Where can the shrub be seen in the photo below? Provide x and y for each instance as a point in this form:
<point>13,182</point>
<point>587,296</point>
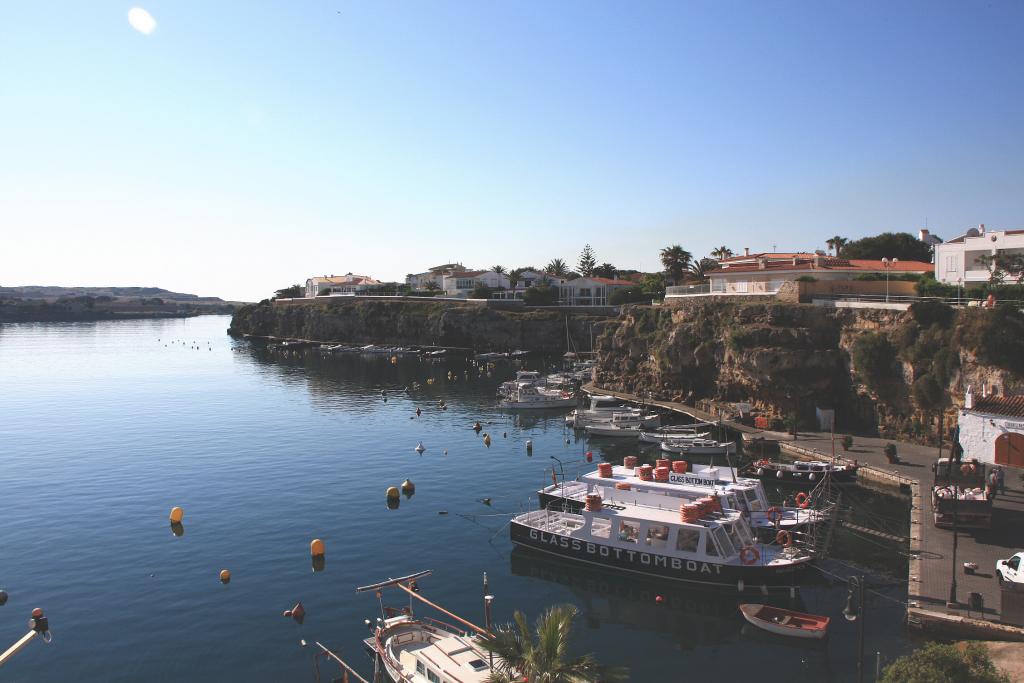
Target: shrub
<point>968,663</point>
<point>540,295</point>
<point>890,451</point>
<point>928,313</point>
<point>929,286</point>
<point>481,292</point>
<point>807,278</point>
<point>873,357</point>
<point>927,393</point>
<point>997,336</point>
<point>847,442</point>
<point>628,295</point>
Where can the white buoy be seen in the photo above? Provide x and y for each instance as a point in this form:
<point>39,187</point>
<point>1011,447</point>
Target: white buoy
<point>420,447</point>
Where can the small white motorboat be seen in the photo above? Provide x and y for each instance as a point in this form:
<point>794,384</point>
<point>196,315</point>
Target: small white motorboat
<point>612,429</point>
<point>786,622</point>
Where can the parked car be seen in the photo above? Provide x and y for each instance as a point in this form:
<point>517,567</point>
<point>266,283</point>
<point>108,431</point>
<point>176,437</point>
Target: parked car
<point>1010,571</point>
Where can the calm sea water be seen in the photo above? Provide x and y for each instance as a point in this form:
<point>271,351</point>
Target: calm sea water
<point>105,426</point>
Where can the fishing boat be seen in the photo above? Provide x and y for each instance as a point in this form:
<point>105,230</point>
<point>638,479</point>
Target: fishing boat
<point>786,622</point>
<point>686,446</point>
<point>532,377</point>
<point>801,471</point>
<point>603,408</point>
<point>613,430</point>
<point>698,542</point>
<point>737,493</point>
<point>672,433</point>
<point>416,649</point>
<point>527,396</point>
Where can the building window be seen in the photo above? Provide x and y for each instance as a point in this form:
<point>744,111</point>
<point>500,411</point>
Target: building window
<point>951,264</point>
<point>433,677</point>
<point>420,669</point>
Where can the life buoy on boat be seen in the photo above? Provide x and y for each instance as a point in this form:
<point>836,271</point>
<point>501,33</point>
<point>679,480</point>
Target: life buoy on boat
<point>784,538</point>
<point>802,498</point>
<point>749,555</point>
<point>774,514</point>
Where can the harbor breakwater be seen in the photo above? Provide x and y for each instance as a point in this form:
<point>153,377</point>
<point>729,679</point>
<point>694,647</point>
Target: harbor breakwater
<point>422,323</point>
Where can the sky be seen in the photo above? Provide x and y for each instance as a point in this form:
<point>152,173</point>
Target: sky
<point>231,148</point>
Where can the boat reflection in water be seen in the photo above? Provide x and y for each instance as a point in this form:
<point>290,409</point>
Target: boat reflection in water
<point>693,615</point>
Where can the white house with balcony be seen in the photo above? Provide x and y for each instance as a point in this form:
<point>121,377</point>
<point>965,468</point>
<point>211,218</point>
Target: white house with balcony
<point>339,285</point>
<point>433,275</point>
<point>765,273</point>
<point>959,261</point>
<point>589,291</point>
<point>462,283</point>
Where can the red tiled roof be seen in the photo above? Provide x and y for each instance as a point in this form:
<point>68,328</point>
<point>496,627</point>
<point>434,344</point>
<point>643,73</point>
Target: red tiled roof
<point>767,254</point>
<point>610,281</point>
<point>829,263</point>
<point>1012,406</point>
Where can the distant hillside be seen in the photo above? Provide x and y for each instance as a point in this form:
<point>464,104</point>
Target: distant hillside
<point>69,304</point>
<point>45,292</point>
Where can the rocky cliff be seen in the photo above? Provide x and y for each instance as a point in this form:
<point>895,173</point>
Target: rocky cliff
<point>890,372</point>
<point>425,323</point>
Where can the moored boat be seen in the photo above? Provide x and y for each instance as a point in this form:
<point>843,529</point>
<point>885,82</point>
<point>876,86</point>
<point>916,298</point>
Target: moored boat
<point>695,542</point>
<point>801,471</point>
<point>527,396</point>
<point>786,622</point>
<point>697,447</point>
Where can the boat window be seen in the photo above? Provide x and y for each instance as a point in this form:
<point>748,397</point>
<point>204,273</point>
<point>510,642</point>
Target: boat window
<point>687,540</point>
<point>657,535</point>
<point>753,501</point>
<point>629,531</point>
<point>433,677</point>
<point>601,527</point>
<point>1014,563</point>
<point>734,535</point>
<point>478,664</point>
<point>724,544</point>
<point>420,669</point>
<point>746,536</point>
<point>709,545</point>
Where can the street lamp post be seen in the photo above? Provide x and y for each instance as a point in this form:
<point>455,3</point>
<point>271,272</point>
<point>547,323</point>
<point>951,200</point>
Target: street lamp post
<point>887,264</point>
<point>854,611</point>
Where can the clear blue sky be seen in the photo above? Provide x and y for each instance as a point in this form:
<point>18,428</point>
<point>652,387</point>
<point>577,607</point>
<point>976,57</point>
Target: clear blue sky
<point>243,146</point>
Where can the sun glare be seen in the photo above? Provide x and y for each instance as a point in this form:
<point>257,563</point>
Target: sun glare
<point>141,20</point>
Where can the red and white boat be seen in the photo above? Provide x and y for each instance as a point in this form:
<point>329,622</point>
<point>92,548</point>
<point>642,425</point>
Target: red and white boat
<point>786,622</point>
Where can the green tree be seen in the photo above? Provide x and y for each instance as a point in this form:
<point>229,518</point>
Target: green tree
<point>720,253</point>
<point>293,292</point>
<point>605,270</point>
<point>938,663</point>
<point>556,266</point>
<point>1004,266</point>
<point>653,283</point>
<point>500,270</point>
<point>676,261</point>
<point>514,276</point>
<point>874,359</point>
<point>628,295</point>
<point>543,655</point>
<point>432,286</point>
<point>587,261</point>
<point>901,245</point>
<point>540,295</point>
<point>698,270</point>
<point>481,292</point>
<point>836,244</point>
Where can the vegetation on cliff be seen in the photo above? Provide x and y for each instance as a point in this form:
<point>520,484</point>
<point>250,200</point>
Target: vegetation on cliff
<point>892,372</point>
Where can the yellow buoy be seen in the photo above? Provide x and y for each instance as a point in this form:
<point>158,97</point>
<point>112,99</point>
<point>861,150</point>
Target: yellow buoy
<point>408,486</point>
<point>225,576</point>
<point>316,548</point>
<point>176,515</point>
<point>393,492</point>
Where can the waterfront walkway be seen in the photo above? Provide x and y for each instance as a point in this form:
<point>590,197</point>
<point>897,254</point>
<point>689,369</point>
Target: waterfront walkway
<point>931,548</point>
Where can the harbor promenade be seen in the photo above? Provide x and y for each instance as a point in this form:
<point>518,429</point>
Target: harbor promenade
<point>931,566</point>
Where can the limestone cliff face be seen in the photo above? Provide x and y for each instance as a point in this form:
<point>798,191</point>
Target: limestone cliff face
<point>418,323</point>
<point>787,359</point>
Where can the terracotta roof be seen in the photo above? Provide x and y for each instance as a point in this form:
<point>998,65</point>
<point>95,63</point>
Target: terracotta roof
<point>827,263</point>
<point>1012,406</point>
<point>347,280</point>
<point>610,281</point>
<point>767,254</point>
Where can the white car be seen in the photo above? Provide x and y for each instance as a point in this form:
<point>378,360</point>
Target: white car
<point>1010,571</point>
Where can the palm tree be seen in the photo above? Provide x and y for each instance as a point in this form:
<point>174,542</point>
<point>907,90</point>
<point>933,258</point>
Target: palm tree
<point>699,270</point>
<point>500,270</point>
<point>837,243</point>
<point>513,278</point>
<point>676,260</point>
<point>518,656</point>
<point>721,252</point>
<point>557,267</point>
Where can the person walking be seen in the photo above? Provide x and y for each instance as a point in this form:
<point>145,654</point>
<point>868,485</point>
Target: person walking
<point>993,483</point>
<point>1000,479</point>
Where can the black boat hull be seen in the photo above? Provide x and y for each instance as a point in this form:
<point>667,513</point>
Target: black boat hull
<point>651,564</point>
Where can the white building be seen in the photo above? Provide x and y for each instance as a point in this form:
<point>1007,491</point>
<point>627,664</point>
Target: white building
<point>339,285</point>
<point>958,261</point>
<point>589,291</point>
<point>462,283</point>
<point>435,275</point>
<point>992,429</point>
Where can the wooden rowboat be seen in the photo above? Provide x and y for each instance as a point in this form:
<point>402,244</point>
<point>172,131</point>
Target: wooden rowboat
<point>786,622</point>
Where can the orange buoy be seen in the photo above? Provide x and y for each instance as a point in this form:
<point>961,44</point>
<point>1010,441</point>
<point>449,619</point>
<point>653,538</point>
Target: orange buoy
<point>177,514</point>
<point>225,576</point>
<point>316,548</point>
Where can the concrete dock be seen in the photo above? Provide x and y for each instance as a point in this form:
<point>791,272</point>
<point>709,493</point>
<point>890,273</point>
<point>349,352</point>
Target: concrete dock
<point>931,566</point>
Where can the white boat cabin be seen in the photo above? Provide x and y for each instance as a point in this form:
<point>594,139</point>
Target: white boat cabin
<point>743,494</point>
<point>422,653</point>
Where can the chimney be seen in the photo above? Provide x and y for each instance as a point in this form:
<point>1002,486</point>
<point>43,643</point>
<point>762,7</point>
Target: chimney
<point>923,234</point>
<point>968,399</point>
<point>746,251</point>
<point>981,228</point>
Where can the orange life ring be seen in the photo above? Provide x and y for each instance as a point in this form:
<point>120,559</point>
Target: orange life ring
<point>784,538</point>
<point>774,514</point>
<point>802,498</point>
<point>749,555</point>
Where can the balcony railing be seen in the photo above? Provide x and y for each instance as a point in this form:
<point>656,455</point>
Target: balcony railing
<point>687,290</point>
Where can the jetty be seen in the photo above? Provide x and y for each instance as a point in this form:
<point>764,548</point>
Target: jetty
<point>982,610</point>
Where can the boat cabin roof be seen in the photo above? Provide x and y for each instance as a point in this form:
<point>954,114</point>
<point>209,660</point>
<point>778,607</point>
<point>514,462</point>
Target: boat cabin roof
<point>702,475</point>
<point>450,657</point>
